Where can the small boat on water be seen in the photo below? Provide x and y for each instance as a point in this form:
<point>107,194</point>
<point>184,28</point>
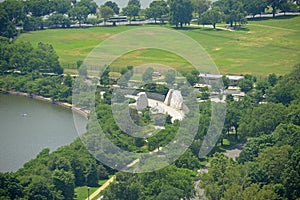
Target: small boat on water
<point>24,115</point>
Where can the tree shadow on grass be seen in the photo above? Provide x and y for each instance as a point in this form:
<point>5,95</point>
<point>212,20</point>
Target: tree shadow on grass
<point>271,18</point>
<point>134,24</point>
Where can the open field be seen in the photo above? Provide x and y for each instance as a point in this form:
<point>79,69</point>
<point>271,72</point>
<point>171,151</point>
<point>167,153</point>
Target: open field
<point>262,47</point>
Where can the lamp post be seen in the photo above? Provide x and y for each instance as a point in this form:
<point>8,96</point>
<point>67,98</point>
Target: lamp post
<point>88,193</point>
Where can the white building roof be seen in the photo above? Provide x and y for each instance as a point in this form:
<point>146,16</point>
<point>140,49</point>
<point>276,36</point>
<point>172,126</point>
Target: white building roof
<point>217,76</point>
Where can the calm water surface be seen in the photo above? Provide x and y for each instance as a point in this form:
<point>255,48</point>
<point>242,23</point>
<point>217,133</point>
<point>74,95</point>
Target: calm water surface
<point>45,126</point>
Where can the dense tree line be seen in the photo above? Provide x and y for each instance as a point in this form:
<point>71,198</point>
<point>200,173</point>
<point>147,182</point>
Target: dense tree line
<point>25,58</point>
<point>268,166</point>
<point>169,183</point>
<point>36,14</point>
<point>54,175</point>
<point>57,88</point>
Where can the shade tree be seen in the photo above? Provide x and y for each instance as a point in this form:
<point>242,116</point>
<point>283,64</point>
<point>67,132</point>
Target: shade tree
<point>114,6</point>
<point>105,12</point>
<point>170,76</point>
<point>212,17</point>
<point>39,8</point>
<point>157,9</point>
<point>200,6</point>
<point>7,28</point>
<point>180,12</point>
<point>233,10</point>
<point>131,11</point>
<point>275,4</point>
<point>61,6</point>
<point>254,7</point>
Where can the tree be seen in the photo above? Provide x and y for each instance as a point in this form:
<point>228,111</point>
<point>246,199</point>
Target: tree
<point>254,191</point>
<point>262,85</point>
<point>48,58</point>
<point>214,181</point>
<point>32,23</point>
<point>82,9</point>
<point>157,9</point>
<point>200,6</point>
<point>212,17</point>
<point>254,147</point>
<point>131,11</point>
<point>106,12</point>
<point>170,193</point>
<point>10,186</point>
<point>287,89</point>
<point>271,159</point>
<point>180,12</point>
<point>254,7</point>
<point>59,20</point>
<point>39,190</point>
<point>170,76</point>
<point>246,85</point>
<point>291,176</point>
<point>79,13</point>
<point>262,119</point>
<point>64,181</point>
<point>39,8</point>
<point>272,79</point>
<point>104,79</point>
<point>136,3</point>
<point>233,10</point>
<point>7,28</point>
<point>275,4</point>
<point>20,55</point>
<point>89,4</point>
<point>147,75</point>
<point>113,5</point>
<point>226,81</point>
<point>233,116</point>
<point>61,6</point>
<point>15,9</point>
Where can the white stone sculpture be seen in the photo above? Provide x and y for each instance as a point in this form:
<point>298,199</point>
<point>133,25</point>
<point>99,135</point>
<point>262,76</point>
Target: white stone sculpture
<point>142,101</point>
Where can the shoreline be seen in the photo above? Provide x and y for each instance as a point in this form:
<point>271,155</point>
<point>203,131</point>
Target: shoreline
<point>80,111</point>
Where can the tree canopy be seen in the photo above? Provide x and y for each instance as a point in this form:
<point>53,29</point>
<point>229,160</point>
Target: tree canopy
<point>180,12</point>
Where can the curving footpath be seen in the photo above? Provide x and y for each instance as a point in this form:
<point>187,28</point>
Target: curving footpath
<point>103,187</point>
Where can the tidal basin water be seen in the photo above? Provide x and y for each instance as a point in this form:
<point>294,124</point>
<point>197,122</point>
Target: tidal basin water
<point>27,126</point>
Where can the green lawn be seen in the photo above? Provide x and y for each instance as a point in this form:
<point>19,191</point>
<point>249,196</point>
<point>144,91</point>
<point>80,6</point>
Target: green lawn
<point>82,192</point>
<point>261,47</point>
<point>72,44</point>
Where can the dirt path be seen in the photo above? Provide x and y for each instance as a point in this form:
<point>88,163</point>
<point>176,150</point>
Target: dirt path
<point>100,189</point>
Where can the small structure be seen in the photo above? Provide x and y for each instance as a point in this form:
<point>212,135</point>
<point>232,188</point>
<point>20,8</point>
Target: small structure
<point>209,78</point>
<point>174,99</point>
<point>142,101</point>
<point>156,74</point>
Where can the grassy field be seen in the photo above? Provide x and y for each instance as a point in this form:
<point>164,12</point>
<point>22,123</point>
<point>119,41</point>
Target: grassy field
<point>262,47</point>
<point>82,192</point>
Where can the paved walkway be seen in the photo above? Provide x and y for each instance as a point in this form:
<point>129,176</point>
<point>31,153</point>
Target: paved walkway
<point>175,114</point>
<point>234,151</point>
<point>100,189</point>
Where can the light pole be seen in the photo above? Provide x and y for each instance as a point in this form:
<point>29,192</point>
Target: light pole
<point>88,193</point>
